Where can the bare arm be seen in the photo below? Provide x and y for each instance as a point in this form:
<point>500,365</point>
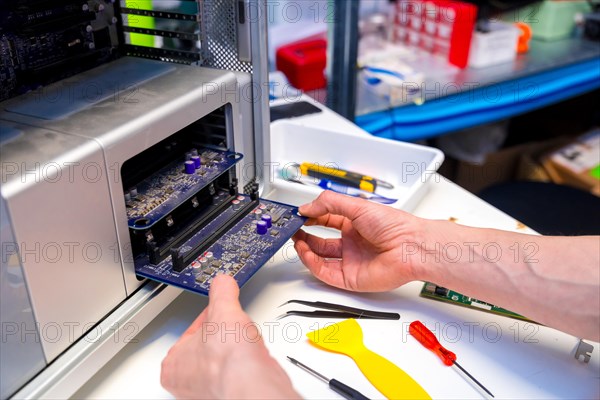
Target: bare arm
<point>552,280</point>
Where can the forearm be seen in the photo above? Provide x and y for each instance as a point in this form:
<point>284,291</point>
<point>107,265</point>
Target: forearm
<point>552,280</point>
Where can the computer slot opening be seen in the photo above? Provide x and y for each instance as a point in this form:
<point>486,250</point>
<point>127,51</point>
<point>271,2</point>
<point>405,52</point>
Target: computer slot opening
<point>177,186</point>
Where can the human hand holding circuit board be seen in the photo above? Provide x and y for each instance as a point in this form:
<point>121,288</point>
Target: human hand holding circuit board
<point>201,365</point>
<point>381,249</point>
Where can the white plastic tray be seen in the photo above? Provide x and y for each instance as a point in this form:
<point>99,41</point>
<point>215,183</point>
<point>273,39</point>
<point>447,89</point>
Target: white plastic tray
<point>406,166</point>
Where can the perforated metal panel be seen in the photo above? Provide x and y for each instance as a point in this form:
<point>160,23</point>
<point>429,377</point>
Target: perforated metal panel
<point>216,30</point>
<point>220,31</point>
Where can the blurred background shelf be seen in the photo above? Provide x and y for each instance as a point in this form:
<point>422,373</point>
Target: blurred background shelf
<point>454,99</point>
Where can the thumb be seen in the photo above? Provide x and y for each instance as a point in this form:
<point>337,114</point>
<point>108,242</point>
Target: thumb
<point>330,202</point>
<point>223,295</point>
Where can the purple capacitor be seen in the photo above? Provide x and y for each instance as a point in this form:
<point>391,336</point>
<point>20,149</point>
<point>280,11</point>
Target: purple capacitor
<point>267,219</point>
<point>261,228</point>
<point>197,161</point>
<point>190,167</point>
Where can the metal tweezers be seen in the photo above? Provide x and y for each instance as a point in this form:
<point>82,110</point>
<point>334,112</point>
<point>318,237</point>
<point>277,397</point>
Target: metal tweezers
<point>339,311</point>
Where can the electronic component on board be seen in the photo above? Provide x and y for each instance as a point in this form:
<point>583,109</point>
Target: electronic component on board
<point>262,228</point>
<point>435,292</point>
<point>267,219</point>
<point>190,167</point>
<point>197,161</point>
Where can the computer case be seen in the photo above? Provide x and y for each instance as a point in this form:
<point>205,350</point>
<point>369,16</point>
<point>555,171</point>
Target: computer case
<point>70,295</point>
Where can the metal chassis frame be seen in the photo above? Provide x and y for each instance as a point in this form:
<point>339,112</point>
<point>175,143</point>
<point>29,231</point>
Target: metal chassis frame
<point>72,369</point>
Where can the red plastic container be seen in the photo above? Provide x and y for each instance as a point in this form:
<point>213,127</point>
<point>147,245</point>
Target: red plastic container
<point>303,63</point>
<point>441,27</point>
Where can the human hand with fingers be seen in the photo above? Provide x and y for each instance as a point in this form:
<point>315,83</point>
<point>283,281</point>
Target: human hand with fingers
<point>367,257</point>
<point>222,355</point>
<point>382,248</point>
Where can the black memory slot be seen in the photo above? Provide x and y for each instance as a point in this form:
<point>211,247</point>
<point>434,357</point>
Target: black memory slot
<point>19,14</point>
<point>59,23</point>
<point>158,32</point>
<point>181,261</point>
<point>160,249</point>
<point>36,4</point>
<point>160,14</point>
<point>178,56</point>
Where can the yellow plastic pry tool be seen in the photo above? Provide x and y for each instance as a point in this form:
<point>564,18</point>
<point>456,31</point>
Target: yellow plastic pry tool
<point>346,338</point>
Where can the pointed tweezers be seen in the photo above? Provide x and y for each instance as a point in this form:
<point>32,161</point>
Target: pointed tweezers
<point>338,311</point>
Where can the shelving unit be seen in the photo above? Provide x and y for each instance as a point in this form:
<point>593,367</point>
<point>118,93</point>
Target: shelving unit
<point>455,99</point>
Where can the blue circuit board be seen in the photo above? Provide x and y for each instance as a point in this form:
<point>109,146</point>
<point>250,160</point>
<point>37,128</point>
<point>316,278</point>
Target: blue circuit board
<point>239,252</point>
<point>158,195</point>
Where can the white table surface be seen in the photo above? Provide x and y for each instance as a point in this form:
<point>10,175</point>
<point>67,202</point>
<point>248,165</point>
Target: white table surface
<point>527,361</point>
<point>514,359</point>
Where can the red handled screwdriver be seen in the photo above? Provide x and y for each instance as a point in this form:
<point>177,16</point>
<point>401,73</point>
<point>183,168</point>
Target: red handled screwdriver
<point>427,339</point>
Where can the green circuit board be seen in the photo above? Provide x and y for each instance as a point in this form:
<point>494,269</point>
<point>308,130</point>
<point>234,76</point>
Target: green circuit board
<point>432,291</point>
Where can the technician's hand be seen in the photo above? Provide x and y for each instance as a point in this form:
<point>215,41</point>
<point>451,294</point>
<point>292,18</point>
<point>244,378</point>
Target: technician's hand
<point>371,256</point>
<point>222,356</point>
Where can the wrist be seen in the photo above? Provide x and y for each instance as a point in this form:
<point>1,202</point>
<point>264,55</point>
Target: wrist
<point>260,378</point>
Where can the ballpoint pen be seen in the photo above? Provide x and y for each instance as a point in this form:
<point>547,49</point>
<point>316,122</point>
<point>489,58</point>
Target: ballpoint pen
<point>338,188</point>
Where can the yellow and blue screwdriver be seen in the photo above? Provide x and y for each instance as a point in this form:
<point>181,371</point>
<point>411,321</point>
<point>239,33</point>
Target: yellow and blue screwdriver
<point>428,340</point>
<point>348,178</point>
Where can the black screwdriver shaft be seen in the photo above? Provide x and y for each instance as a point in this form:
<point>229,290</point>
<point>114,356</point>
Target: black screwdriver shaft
<point>473,379</point>
<point>342,389</point>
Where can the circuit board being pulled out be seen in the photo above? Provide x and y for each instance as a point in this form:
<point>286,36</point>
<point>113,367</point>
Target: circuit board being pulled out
<point>239,251</point>
<point>159,194</point>
<point>432,291</point>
